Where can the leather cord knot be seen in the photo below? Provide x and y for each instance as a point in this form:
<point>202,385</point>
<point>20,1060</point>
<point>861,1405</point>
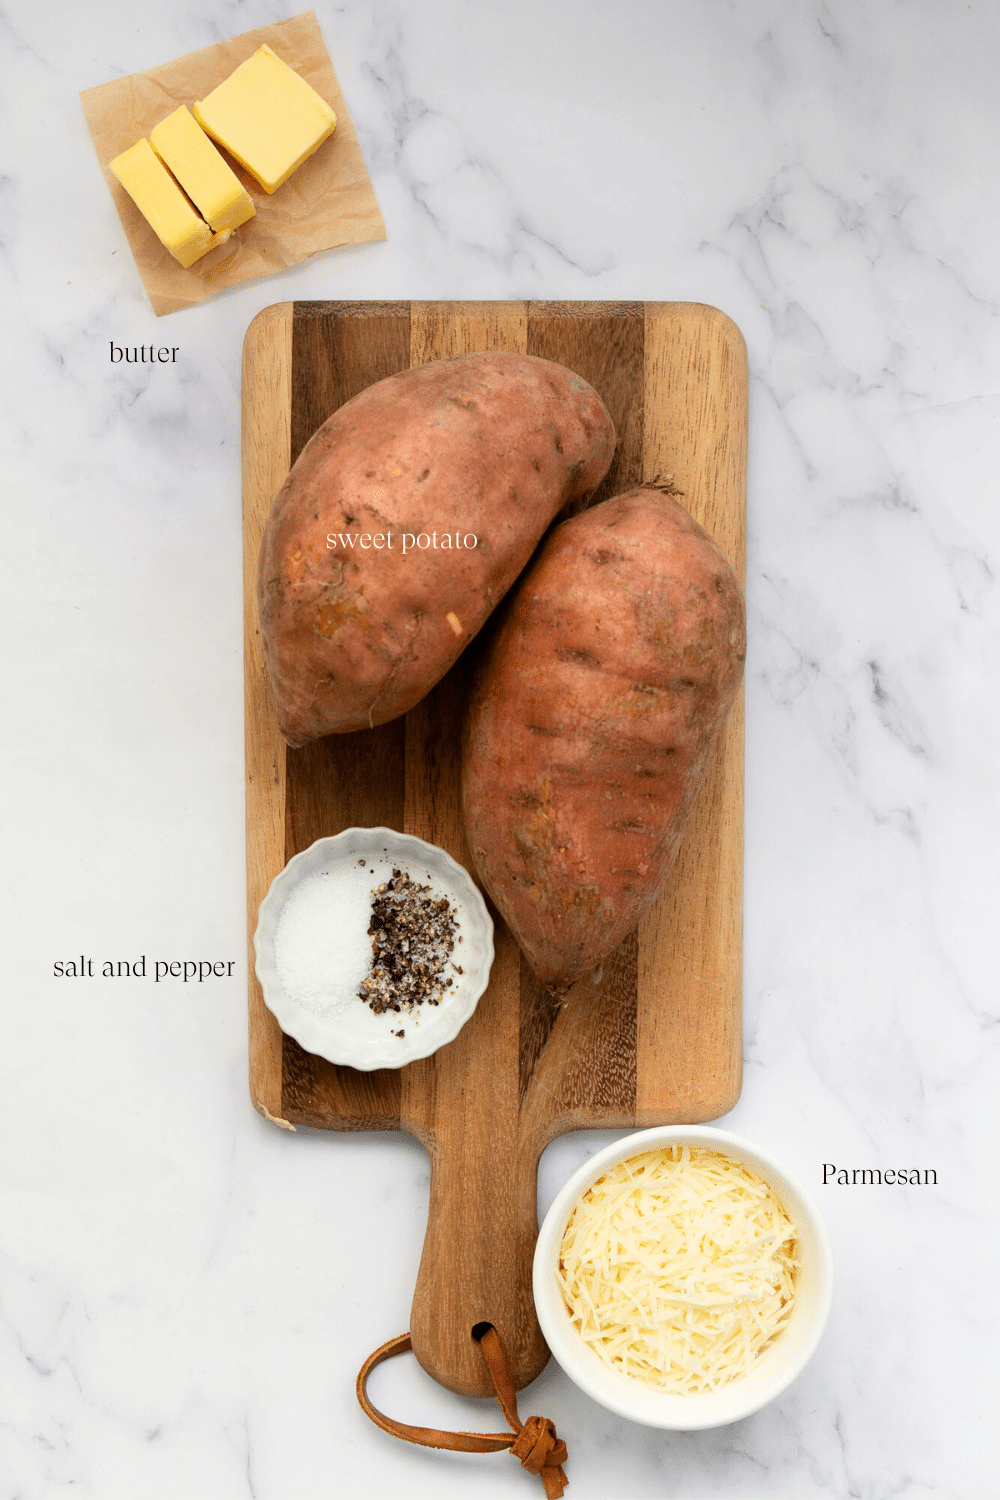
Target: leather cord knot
<point>534,1442</point>
<point>543,1452</point>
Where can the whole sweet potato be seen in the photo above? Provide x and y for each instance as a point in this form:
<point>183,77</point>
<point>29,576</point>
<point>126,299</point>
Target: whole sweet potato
<point>592,719</point>
<point>404,522</point>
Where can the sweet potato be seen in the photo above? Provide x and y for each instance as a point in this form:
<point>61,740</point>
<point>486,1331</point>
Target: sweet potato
<point>592,718</point>
<point>446,477</point>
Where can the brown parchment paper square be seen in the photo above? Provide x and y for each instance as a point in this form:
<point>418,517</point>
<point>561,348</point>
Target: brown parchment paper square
<point>329,201</point>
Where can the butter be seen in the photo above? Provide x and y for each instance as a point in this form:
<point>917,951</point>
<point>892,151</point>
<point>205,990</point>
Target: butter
<point>210,183</point>
<point>158,198</point>
<point>267,117</point>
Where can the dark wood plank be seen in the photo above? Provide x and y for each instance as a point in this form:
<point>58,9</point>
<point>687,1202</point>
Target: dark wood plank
<point>603,342</point>
<point>314,1092</point>
<point>595,1083</point>
<point>339,348</point>
<point>345,781</point>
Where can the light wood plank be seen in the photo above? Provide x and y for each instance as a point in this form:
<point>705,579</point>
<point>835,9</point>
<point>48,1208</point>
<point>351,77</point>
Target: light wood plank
<point>267,387</point>
<point>691,944</point>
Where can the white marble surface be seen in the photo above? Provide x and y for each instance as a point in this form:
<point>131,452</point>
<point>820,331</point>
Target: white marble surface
<point>186,1292</point>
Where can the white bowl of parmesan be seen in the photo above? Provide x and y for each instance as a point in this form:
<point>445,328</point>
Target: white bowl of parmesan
<point>373,948</point>
<point>682,1278</point>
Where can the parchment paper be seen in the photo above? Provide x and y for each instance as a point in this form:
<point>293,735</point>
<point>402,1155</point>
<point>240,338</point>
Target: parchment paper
<point>329,201</point>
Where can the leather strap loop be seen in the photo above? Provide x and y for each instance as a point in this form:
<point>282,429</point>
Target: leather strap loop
<point>534,1442</point>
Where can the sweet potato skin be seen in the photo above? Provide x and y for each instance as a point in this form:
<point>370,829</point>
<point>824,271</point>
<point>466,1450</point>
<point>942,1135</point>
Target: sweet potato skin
<point>592,719</point>
<point>491,446</point>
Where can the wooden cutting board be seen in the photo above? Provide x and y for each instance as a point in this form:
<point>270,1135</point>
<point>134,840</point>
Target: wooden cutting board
<point>658,1039</point>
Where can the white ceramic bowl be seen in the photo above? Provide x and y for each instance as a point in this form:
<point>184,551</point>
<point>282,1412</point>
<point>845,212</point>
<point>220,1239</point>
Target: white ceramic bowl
<point>354,1034</point>
<point>777,1366</point>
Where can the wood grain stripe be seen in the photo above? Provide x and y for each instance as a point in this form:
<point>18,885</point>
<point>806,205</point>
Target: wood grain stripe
<point>603,342</point>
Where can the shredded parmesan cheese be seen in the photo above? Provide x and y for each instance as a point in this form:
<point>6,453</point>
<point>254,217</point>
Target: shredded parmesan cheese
<point>678,1268</point>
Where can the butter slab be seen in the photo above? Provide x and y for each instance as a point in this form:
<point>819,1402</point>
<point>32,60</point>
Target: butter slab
<point>161,202</point>
<point>267,117</point>
<point>209,181</point>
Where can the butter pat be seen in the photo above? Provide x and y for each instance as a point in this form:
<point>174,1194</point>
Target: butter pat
<point>158,198</point>
<point>267,117</point>
<point>210,183</point>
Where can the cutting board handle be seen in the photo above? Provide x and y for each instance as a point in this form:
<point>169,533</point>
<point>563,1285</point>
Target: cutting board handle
<point>477,1261</point>
<point>482,1220</point>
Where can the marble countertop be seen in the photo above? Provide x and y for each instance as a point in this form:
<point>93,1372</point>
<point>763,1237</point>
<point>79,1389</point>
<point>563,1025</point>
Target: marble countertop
<point>186,1292</point>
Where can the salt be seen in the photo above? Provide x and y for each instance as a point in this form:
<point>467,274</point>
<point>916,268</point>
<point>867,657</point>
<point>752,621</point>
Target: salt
<point>322,950</point>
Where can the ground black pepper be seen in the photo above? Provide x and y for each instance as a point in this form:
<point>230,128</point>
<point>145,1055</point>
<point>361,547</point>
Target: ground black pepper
<point>413,936</point>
